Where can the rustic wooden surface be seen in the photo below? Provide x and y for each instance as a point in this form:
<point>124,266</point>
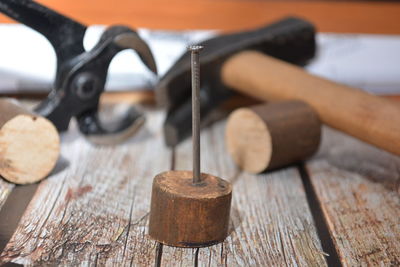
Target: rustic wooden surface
<point>5,190</point>
<point>358,187</point>
<point>271,223</point>
<point>329,16</point>
<point>94,209</point>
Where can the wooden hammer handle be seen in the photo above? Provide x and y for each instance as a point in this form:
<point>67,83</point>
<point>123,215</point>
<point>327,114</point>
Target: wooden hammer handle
<point>370,118</point>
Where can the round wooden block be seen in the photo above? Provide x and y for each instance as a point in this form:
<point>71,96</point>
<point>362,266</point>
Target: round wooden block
<point>29,145</point>
<point>186,215</point>
<point>272,135</point>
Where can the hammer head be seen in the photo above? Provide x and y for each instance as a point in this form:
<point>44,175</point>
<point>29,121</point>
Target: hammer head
<point>291,39</point>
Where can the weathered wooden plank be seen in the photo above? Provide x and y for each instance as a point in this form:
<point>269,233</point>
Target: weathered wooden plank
<point>95,211</point>
<point>5,190</point>
<point>358,187</point>
<point>12,210</point>
<point>270,218</point>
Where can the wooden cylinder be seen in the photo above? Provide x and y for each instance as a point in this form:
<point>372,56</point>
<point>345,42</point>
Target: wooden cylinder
<point>184,214</point>
<point>273,135</point>
<point>370,118</point>
<point>29,144</point>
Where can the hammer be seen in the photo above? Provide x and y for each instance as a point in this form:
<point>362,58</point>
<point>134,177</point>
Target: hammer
<point>290,39</point>
<point>367,117</point>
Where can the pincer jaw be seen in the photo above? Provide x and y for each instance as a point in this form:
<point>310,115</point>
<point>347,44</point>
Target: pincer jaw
<point>132,40</point>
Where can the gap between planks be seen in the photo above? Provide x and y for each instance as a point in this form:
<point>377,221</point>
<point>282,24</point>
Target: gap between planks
<point>96,210</point>
<point>319,220</point>
<point>271,223</point>
<point>12,210</point>
<point>358,189</point>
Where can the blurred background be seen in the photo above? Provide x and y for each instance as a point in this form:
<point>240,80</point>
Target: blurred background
<point>329,16</point>
<point>359,44</point>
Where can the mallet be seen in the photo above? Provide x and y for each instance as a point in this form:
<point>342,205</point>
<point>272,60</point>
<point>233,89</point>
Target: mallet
<point>190,208</point>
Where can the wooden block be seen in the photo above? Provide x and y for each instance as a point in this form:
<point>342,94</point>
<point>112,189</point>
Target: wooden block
<point>29,144</point>
<point>184,214</point>
<point>269,136</point>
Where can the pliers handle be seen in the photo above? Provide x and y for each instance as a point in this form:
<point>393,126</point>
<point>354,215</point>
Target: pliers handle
<point>81,75</point>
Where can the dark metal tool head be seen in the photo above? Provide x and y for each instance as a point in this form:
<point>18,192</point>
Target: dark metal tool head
<point>81,75</point>
<point>290,39</point>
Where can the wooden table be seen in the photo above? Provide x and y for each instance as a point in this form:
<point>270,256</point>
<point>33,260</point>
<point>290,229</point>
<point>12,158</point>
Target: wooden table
<point>93,210</point>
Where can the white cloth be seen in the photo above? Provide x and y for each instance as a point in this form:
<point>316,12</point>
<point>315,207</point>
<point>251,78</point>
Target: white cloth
<point>27,60</point>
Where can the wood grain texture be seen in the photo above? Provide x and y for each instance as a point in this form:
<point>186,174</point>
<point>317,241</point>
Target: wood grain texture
<point>6,187</point>
<point>187,214</point>
<point>29,144</point>
<point>271,224</point>
<point>329,16</point>
<point>5,190</point>
<point>96,210</point>
<point>373,119</point>
<point>358,187</point>
<point>272,135</point>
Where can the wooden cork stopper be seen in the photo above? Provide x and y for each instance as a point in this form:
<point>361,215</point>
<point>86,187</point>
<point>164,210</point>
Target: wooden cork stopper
<point>184,214</point>
<point>270,136</point>
<point>29,144</point>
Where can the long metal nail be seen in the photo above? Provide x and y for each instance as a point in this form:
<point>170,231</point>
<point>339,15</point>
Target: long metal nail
<point>195,49</point>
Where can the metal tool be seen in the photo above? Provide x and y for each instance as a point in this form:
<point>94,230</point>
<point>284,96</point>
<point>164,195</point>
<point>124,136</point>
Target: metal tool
<point>290,39</point>
<point>195,50</point>
<point>80,75</point>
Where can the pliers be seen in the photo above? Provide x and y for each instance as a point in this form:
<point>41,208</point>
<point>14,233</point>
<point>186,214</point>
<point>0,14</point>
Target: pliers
<point>80,75</point>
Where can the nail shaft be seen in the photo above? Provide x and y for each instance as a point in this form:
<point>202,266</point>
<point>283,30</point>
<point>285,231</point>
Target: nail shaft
<point>195,50</point>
